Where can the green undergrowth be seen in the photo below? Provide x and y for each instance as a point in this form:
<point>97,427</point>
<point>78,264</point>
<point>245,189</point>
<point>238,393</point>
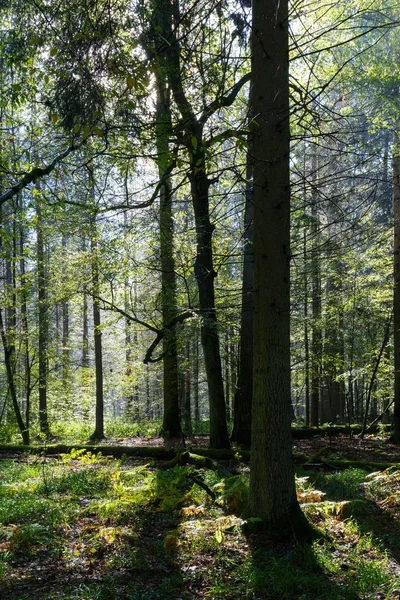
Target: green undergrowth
<point>74,432</point>
<point>99,528</point>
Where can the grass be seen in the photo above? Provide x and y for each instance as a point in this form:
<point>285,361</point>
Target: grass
<point>75,432</point>
<point>97,528</point>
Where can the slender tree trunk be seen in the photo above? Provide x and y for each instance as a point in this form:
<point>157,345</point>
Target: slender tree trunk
<point>43,315</point>
<point>227,375</point>
<point>187,392</point>
<point>9,359</point>
<point>85,332</point>
<point>128,336</point>
<point>204,268</point>
<point>65,336</point>
<point>272,485</point>
<point>98,433</point>
<point>233,353</point>
<point>11,383</point>
<point>316,306</point>
<point>242,404</point>
<point>306,337</point>
<point>396,278</point>
<point>24,324</point>
<point>195,386</point>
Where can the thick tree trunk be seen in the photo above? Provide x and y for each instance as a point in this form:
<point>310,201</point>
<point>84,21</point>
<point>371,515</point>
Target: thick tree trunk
<point>158,32</point>
<point>272,485</point>
<point>171,422</point>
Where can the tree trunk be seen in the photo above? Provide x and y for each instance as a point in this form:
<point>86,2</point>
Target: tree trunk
<point>9,360</point>
<point>98,433</point>
<point>187,393</point>
<point>66,374</point>
<point>128,324</point>
<point>199,186</point>
<point>241,432</point>
<point>316,307</point>
<point>24,326</point>
<point>306,337</point>
<point>195,367</point>
<point>11,383</point>
<point>171,426</point>
<point>43,313</point>
<point>272,484</point>
<point>396,280</point>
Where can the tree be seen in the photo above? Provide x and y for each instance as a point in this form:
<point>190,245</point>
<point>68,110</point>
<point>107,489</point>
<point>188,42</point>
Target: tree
<point>192,126</point>
<point>241,432</point>
<point>272,485</point>
<point>171,426</point>
<point>98,433</point>
<point>396,276</point>
<point>43,319</point>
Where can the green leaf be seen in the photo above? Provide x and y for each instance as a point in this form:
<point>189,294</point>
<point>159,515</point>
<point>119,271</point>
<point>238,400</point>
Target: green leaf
<point>130,82</point>
<point>97,131</point>
<point>194,142</point>
<point>219,536</point>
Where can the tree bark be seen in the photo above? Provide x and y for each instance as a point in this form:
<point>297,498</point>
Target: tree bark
<point>171,426</point>
<point>316,333</point>
<point>24,324</point>
<point>65,337</point>
<point>242,404</point>
<point>98,433</point>
<point>199,186</point>
<point>272,485</point>
<point>43,313</point>
<point>396,280</point>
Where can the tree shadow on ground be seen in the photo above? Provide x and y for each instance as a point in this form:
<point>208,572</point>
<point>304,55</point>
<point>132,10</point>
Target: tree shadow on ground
<point>291,572</point>
<point>384,527</point>
<point>122,557</point>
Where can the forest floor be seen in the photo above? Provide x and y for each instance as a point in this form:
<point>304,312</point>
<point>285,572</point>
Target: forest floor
<point>82,526</point>
<point>371,448</point>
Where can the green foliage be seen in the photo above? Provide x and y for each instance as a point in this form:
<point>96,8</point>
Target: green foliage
<point>233,492</point>
<point>340,485</point>
<point>167,531</point>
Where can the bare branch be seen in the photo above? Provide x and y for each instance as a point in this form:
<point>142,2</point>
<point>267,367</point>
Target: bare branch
<point>224,101</point>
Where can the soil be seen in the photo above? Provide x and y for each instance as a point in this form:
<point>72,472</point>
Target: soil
<point>372,448</point>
